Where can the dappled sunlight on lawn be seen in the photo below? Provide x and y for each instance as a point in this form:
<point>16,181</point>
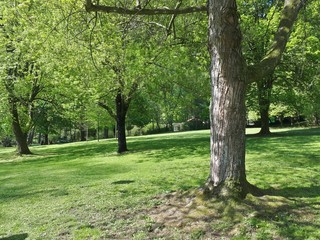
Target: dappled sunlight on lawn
<point>78,189</point>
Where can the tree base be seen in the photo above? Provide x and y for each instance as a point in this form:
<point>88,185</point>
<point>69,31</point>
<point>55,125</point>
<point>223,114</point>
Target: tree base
<point>264,133</point>
<point>231,190</point>
<point>24,153</point>
<point>122,151</point>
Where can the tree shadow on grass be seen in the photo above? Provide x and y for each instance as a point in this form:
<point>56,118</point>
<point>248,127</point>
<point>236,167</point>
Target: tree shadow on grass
<point>22,192</point>
<point>293,219</point>
<point>21,236</point>
<point>168,149</point>
<point>123,182</point>
<point>72,151</point>
<point>62,154</point>
<point>292,210</point>
<point>301,132</point>
<point>292,132</point>
<point>56,180</point>
<point>298,192</point>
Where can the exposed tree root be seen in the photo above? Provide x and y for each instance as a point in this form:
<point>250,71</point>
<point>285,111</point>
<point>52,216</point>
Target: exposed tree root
<point>231,190</point>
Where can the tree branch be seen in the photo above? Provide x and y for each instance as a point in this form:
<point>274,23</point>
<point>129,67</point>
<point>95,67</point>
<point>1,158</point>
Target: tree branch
<point>268,64</point>
<point>173,18</point>
<point>109,110</point>
<point>90,7</point>
<point>133,90</point>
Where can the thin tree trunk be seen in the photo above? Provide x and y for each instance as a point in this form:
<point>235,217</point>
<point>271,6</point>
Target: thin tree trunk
<point>122,104</point>
<point>31,135</point>
<point>98,131</point>
<point>121,111</point>
<point>83,134</point>
<point>122,142</point>
<point>281,117</point>
<point>264,117</point>
<point>21,137</point>
<point>264,95</point>
<point>316,120</point>
<point>105,132</point>
<point>40,138</point>
<point>46,139</point>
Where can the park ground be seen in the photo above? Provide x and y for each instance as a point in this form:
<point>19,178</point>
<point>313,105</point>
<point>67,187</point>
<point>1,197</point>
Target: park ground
<point>88,191</point>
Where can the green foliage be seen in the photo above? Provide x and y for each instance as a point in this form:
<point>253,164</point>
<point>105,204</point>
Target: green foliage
<point>84,58</point>
<point>295,87</point>
<point>259,20</point>
<point>140,112</point>
<point>299,72</point>
<point>5,126</point>
<point>26,79</point>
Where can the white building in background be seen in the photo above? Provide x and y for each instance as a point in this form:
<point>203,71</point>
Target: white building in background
<point>177,127</point>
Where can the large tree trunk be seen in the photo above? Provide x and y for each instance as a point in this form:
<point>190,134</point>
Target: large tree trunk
<point>228,117</point>
<point>264,95</point>
<point>121,112</point>
<point>21,137</point>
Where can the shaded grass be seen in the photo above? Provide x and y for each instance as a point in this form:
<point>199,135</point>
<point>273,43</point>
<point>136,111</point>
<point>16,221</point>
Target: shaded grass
<point>88,191</point>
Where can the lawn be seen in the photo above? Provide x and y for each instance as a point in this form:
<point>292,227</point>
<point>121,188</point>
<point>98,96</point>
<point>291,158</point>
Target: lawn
<point>87,191</point>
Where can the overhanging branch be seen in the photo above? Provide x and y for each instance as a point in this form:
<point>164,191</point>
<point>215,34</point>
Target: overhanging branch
<point>270,61</point>
<point>90,7</point>
<point>173,18</point>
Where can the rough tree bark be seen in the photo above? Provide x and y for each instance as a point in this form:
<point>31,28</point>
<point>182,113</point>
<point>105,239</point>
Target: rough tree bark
<point>228,117</point>
<point>229,76</point>
<point>267,65</point>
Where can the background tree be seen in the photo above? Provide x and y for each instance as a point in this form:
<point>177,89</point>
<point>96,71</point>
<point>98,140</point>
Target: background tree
<point>124,65</point>
<point>264,16</point>
<point>21,73</point>
<point>290,78</point>
<point>130,54</point>
<point>299,68</point>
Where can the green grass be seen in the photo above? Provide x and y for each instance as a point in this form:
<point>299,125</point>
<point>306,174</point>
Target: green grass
<point>87,191</point>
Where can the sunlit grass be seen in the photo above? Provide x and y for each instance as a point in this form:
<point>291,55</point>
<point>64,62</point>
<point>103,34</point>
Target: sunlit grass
<point>87,191</point>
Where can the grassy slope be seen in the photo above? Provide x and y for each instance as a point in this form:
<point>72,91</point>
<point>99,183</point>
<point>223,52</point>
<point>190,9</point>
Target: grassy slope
<point>86,190</point>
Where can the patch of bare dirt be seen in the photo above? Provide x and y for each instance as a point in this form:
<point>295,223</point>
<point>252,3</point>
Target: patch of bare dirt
<point>195,217</point>
<point>189,212</point>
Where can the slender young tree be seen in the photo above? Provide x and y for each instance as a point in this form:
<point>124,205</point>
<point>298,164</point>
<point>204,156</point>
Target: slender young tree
<point>21,104</point>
